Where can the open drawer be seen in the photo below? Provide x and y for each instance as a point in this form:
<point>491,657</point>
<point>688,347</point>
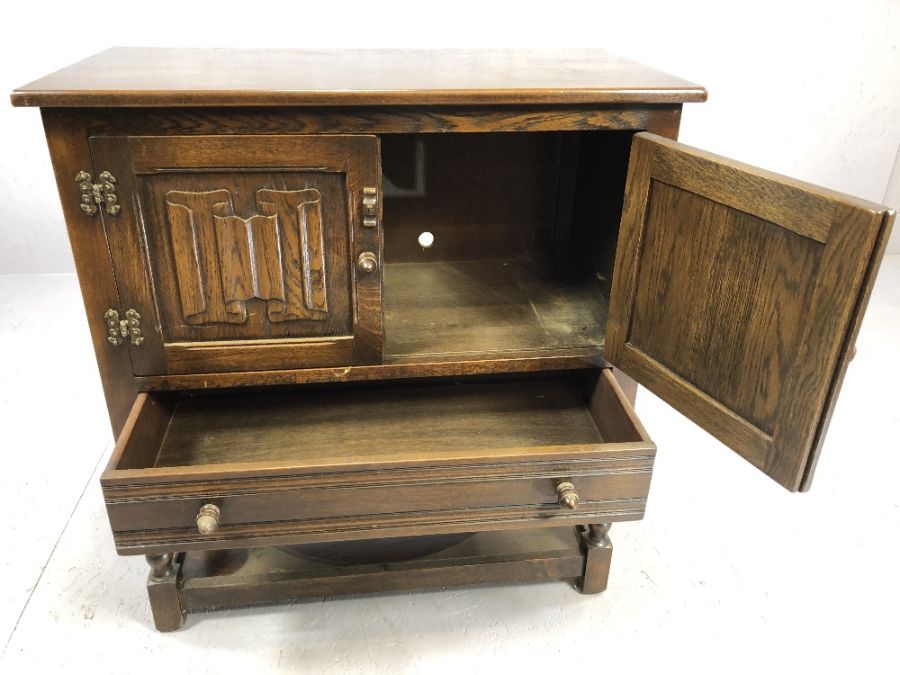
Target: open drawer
<point>204,471</point>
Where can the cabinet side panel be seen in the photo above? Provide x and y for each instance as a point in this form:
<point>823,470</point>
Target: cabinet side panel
<point>70,154</point>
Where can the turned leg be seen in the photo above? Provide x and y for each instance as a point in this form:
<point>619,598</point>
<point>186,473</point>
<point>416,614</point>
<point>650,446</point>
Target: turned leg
<point>597,550</point>
<point>163,589</point>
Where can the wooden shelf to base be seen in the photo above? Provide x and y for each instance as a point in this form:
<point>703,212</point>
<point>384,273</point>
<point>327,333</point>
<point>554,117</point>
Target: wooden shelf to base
<point>484,306</point>
<point>208,580</point>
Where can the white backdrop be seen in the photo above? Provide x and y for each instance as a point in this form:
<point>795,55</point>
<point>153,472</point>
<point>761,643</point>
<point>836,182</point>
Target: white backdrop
<point>809,89</point>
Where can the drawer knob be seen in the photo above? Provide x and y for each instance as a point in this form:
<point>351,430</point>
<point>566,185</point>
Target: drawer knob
<point>208,519</point>
<point>565,493</point>
<point>367,262</point>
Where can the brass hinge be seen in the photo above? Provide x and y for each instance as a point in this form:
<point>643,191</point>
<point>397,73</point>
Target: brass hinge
<point>94,194</point>
<point>369,207</point>
<point>119,330</point>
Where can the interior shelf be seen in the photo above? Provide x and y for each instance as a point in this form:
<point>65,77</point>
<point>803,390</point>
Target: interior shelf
<point>487,306</point>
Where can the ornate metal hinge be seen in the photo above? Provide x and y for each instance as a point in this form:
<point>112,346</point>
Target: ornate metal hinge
<point>98,194</point>
<point>120,329</point>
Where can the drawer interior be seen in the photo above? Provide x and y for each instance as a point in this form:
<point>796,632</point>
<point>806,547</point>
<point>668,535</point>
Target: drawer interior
<point>366,423</point>
<point>385,422</point>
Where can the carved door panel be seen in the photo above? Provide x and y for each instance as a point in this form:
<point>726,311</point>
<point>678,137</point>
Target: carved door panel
<point>239,252</point>
<point>737,296</point>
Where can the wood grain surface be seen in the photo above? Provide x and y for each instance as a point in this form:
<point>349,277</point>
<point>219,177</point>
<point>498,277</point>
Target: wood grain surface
<point>735,295</point>
<point>70,153</point>
<point>393,368</point>
<point>662,119</point>
<point>487,226</point>
<point>487,306</point>
<point>241,578</point>
<point>338,463</point>
<point>485,195</point>
<point>206,305</point>
<point>143,76</point>
<point>369,422</point>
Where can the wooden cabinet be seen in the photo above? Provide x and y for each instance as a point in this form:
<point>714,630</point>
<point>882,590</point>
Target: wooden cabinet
<point>358,307</point>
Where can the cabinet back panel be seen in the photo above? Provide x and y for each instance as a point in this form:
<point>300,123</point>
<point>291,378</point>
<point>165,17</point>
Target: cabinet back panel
<point>525,228</point>
<point>551,197</point>
<point>486,195</point>
<point>599,188</point>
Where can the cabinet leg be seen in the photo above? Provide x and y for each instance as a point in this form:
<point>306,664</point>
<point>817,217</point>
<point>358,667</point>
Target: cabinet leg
<point>163,588</point>
<point>597,550</point>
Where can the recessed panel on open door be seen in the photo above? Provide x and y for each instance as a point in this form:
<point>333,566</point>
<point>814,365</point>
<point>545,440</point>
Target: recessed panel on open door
<point>737,296</point>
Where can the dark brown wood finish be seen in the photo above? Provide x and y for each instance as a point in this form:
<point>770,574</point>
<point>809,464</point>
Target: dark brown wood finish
<point>484,196</point>
<point>372,462</point>
<point>483,402</point>
<point>251,243</point>
<point>735,296</point>
<point>662,119</point>
<point>628,385</point>
<point>163,589</point>
<point>354,422</point>
<point>479,307</point>
<point>245,577</point>
<point>70,154</point>
<point>393,368</point>
<point>597,557</point>
<point>148,77</point>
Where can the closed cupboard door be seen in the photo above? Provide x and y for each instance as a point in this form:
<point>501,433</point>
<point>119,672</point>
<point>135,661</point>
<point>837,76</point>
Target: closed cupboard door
<point>737,297</point>
<point>247,252</point>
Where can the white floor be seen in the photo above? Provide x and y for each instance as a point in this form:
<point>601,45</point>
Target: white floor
<point>728,572</point>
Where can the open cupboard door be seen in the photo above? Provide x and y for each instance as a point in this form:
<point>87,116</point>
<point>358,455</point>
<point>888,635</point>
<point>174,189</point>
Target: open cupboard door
<point>737,297</point>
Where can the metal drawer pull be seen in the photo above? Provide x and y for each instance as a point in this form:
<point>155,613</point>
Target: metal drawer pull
<point>208,519</point>
<point>565,493</point>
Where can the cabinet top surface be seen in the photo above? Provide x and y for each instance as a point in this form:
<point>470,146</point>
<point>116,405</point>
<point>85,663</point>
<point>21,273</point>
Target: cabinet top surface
<point>138,77</point>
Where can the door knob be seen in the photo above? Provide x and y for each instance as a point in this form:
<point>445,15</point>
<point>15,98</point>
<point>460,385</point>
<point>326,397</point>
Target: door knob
<point>367,262</point>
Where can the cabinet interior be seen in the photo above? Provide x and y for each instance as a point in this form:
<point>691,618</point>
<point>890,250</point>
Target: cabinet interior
<point>524,229</point>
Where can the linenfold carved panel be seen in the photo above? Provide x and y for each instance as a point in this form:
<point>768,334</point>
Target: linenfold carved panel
<point>223,260</point>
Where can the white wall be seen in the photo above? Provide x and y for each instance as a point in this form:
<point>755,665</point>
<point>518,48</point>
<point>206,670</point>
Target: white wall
<point>810,89</point>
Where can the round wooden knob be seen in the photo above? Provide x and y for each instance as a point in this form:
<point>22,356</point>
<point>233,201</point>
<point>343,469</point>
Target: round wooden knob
<point>367,262</point>
<point>565,493</point>
<point>208,519</point>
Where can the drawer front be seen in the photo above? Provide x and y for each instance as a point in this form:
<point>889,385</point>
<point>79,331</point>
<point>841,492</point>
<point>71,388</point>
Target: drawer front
<point>300,509</point>
<point>241,253</point>
<point>441,458</point>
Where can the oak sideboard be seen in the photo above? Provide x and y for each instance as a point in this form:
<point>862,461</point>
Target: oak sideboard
<point>373,320</point>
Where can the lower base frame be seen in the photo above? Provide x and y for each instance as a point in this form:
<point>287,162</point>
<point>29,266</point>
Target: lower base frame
<point>201,581</point>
